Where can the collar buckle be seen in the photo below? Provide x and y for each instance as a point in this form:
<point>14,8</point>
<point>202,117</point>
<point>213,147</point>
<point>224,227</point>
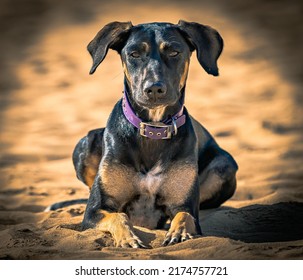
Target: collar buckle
<point>155,130</point>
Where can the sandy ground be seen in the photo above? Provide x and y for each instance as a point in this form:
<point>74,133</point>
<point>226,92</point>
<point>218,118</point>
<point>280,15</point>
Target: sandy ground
<point>254,109</point>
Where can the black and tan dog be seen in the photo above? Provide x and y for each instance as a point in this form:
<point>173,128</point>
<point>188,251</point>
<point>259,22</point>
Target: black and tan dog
<point>153,162</point>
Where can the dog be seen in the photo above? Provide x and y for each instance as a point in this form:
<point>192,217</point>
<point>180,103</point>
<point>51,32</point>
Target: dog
<point>153,162</point>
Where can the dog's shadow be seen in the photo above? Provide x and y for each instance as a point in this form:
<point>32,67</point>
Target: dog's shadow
<point>255,223</point>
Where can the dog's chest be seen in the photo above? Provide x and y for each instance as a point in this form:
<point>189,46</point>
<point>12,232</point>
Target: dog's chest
<point>144,210</point>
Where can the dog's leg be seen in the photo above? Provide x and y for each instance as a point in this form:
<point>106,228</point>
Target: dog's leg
<point>217,181</point>
<point>87,156</point>
<point>117,224</point>
<point>182,198</point>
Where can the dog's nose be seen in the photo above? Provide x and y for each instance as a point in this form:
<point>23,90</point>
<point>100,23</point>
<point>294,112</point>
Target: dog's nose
<point>155,90</point>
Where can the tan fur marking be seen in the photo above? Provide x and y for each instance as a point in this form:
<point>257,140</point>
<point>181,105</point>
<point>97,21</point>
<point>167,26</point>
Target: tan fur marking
<point>180,178</point>
<point>114,179</point>
<point>184,75</point>
<point>156,115</point>
<point>89,176</point>
<point>119,226</point>
<point>182,227</point>
<point>183,221</point>
<point>126,72</point>
<point>91,168</point>
<point>209,186</point>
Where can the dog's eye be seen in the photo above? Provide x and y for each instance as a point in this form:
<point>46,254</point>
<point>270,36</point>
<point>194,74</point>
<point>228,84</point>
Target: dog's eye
<point>135,54</point>
<point>173,53</point>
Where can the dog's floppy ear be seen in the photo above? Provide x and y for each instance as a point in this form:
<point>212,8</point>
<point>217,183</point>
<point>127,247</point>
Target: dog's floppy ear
<point>206,41</point>
<point>112,36</point>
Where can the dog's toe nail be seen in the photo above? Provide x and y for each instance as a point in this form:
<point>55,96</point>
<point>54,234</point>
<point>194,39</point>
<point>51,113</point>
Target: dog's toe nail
<point>173,241</point>
<point>135,245</point>
<point>165,242</point>
<point>187,237</point>
<point>143,245</point>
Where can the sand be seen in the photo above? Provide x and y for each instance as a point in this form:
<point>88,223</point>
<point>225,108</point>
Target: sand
<point>254,109</point>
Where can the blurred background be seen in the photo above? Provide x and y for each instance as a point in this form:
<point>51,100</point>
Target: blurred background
<point>48,100</point>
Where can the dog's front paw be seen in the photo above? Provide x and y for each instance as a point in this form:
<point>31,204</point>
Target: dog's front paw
<point>123,234</point>
<point>182,228</point>
<point>126,238</point>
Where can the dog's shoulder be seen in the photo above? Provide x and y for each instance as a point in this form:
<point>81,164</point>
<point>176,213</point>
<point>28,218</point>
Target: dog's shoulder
<point>201,132</point>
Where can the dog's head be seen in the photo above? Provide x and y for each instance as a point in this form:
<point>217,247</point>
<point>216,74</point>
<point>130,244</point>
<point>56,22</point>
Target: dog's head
<point>156,56</point>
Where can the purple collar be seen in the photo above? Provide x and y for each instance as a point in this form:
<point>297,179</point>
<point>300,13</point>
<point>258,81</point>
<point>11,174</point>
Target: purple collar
<point>158,130</point>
